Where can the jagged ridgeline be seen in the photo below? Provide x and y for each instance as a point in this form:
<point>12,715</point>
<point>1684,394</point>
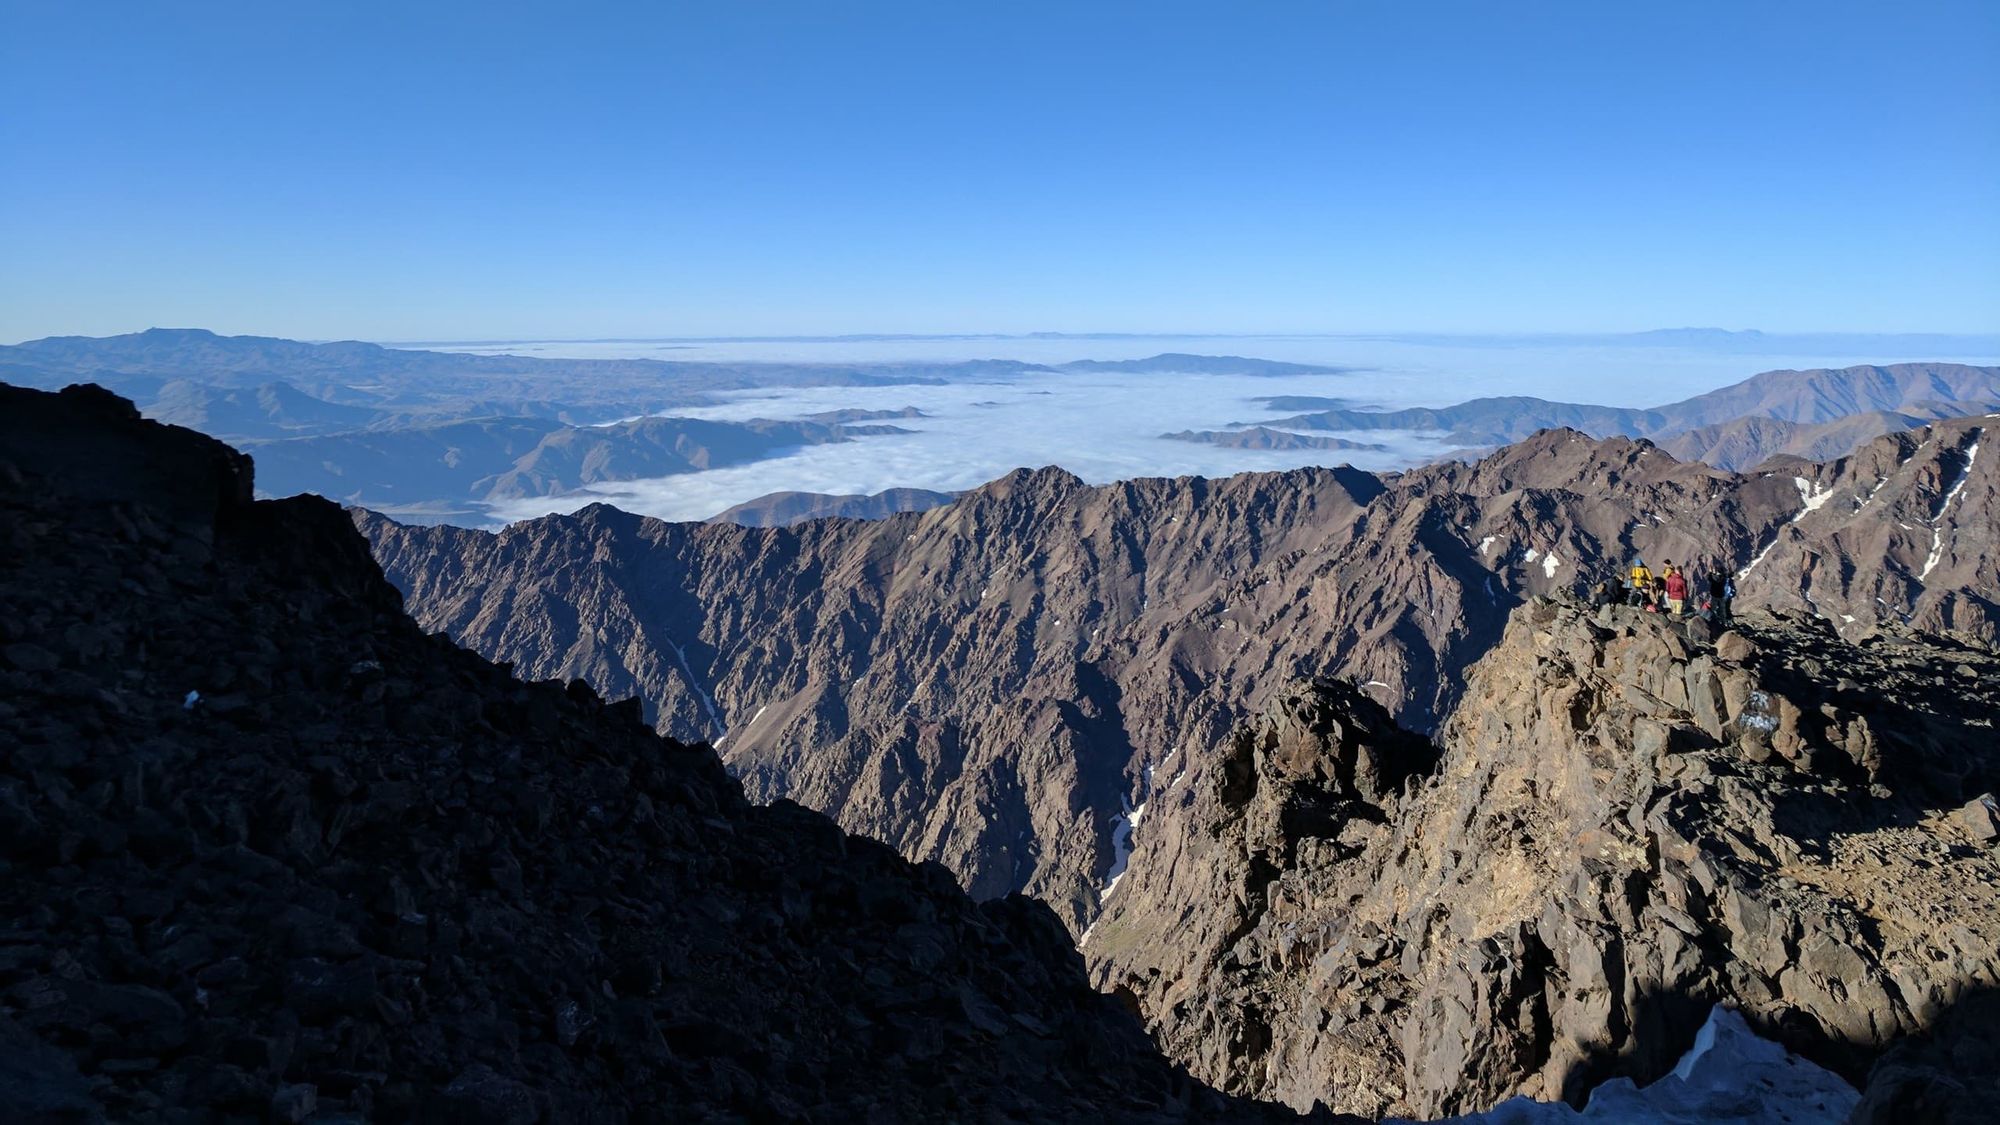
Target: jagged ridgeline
<point>270,852</point>
<point>992,683</point>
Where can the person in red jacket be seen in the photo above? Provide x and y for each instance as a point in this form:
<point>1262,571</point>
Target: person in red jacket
<point>1677,590</point>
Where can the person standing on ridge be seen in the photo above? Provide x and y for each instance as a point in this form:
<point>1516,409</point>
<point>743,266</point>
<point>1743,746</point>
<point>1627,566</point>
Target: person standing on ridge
<point>1677,591</point>
<point>1720,590</point>
<point>1642,580</point>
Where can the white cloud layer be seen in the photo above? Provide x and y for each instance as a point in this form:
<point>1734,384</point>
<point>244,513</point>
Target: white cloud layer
<point>1106,426</point>
<point>1102,427</point>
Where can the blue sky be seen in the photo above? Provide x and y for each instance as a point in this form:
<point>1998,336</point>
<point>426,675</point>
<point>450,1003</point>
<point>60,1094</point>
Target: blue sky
<point>490,170</point>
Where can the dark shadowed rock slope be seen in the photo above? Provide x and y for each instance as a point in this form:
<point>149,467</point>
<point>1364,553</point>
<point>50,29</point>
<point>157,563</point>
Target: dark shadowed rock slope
<point>268,851</point>
<point>1625,823</point>
<point>988,684</point>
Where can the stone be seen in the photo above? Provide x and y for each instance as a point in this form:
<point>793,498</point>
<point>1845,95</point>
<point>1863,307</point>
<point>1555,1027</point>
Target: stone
<point>1980,819</point>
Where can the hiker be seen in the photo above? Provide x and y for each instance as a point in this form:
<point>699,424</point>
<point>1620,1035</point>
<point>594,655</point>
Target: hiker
<point>1720,590</point>
<point>1607,592</point>
<point>1642,580</point>
<point>1676,585</point>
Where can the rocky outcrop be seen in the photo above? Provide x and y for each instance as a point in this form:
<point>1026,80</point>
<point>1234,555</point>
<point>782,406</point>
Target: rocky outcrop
<point>989,683</point>
<point>1627,821</point>
<point>270,852</point>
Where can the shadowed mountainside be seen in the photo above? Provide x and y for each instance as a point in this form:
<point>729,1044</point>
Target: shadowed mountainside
<point>274,853</point>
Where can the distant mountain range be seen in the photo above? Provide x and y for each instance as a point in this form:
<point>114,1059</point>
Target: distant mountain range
<point>1264,437</point>
<point>441,435</point>
<point>444,435</point>
<point>783,509</point>
<point>1821,412</point>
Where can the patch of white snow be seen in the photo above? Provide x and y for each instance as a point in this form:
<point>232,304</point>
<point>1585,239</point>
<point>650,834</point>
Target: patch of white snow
<point>1937,522</point>
<point>1812,495</point>
<point>1122,827</point>
<point>1729,1074</point>
<point>707,703</point>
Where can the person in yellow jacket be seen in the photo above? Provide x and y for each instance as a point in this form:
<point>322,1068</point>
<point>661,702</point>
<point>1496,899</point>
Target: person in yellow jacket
<point>1642,581</point>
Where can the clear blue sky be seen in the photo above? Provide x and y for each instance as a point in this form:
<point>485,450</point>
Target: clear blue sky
<point>488,170</point>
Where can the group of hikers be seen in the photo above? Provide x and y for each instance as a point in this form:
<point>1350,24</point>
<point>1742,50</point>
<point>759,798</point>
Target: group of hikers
<point>1705,592</point>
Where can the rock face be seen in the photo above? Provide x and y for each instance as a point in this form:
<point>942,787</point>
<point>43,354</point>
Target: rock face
<point>268,851</point>
<point>1901,531</point>
<point>989,683</point>
<point>1625,823</point>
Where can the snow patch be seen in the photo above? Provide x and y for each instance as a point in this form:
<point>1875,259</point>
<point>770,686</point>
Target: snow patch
<point>1550,564</point>
<point>1812,495</point>
<point>1937,522</point>
<point>1486,544</point>
<point>1122,827</point>
<point>707,703</point>
<point>1729,1074</point>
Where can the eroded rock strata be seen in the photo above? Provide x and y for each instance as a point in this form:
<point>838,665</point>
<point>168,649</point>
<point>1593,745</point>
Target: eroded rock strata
<point>1627,820</point>
<point>270,852</point>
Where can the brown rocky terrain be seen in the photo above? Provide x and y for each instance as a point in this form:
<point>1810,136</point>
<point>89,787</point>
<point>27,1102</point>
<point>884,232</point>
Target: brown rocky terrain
<point>988,683</point>
<point>269,852</point>
<point>1626,821</point>
<point>1902,530</point>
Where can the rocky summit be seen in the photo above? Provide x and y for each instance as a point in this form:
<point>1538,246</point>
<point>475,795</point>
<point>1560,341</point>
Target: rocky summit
<point>1629,820</point>
<point>269,852</point>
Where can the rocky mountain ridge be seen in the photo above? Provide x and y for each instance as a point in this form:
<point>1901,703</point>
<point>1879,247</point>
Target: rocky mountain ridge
<point>1629,821</point>
<point>989,683</point>
<point>269,852</point>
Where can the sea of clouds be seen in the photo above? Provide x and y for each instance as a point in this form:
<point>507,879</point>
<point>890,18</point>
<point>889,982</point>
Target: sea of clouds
<point>1107,426</point>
